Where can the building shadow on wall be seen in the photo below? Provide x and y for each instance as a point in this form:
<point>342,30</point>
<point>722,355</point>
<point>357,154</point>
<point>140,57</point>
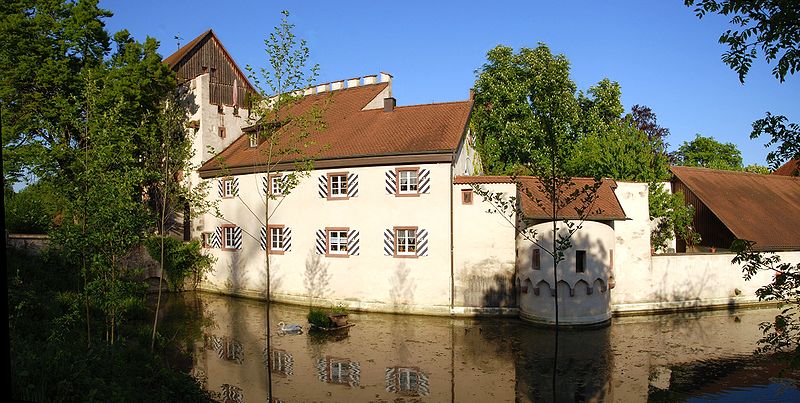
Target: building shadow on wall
<point>402,288</point>
<point>316,278</point>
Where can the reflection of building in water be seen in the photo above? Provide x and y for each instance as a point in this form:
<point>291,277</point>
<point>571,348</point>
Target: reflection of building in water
<point>231,394</point>
<point>340,371</point>
<point>226,349</point>
<point>282,362</point>
<point>407,381</point>
<point>584,365</point>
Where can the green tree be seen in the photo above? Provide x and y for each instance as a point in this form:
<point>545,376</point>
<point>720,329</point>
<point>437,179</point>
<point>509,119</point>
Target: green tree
<point>757,169</point>
<point>33,210</point>
<point>514,93</point>
<point>709,153</point>
<point>771,25</point>
<point>783,135</point>
<point>47,47</point>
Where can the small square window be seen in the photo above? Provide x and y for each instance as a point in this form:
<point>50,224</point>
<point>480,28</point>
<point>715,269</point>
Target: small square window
<point>580,261</point>
<point>222,132</point>
<point>337,242</point>
<point>337,186</point>
<point>253,141</point>
<point>407,181</point>
<point>536,259</point>
<point>206,237</point>
<point>466,196</point>
<point>405,242</point>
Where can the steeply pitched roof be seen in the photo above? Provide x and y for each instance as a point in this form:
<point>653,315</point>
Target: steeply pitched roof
<point>536,204</point>
<point>182,54</point>
<point>790,168</point>
<point>760,208</point>
<point>369,136</point>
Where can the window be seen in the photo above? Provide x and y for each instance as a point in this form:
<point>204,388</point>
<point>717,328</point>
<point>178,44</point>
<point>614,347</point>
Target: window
<point>536,259</point>
<point>227,188</point>
<point>206,237</point>
<point>338,370</point>
<point>466,196</point>
<point>580,261</point>
<point>337,242</point>
<point>222,132</point>
<point>405,241</point>
<point>407,181</point>
<point>408,381</point>
<point>276,239</point>
<point>276,184</point>
<point>337,185</point>
<point>229,237</point>
<point>253,140</point>
<point>282,362</point>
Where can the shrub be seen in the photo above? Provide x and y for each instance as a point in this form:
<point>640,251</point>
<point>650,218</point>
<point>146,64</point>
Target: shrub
<point>318,317</point>
<point>182,261</point>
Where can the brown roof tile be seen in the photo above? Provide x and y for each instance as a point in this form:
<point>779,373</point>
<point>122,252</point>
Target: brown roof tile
<point>351,132</point>
<point>760,208</point>
<point>790,168</point>
<point>536,205</point>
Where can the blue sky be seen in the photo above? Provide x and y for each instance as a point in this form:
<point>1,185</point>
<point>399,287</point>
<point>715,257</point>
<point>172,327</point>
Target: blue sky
<point>660,53</point>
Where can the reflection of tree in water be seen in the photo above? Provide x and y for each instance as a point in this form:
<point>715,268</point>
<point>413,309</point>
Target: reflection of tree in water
<point>584,364</point>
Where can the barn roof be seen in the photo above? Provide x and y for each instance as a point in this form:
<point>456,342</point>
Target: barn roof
<point>760,208</point>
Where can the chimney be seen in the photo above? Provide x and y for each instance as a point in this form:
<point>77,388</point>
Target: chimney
<point>308,91</point>
<point>337,85</point>
<point>472,94</point>
<point>353,82</point>
<point>389,104</point>
<point>322,88</point>
<point>385,77</point>
<point>370,79</point>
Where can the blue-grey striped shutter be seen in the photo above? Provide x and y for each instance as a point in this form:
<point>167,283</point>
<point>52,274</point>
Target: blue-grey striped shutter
<point>353,243</point>
<point>216,238</point>
<point>265,185</point>
<point>320,245</point>
<point>237,237</point>
<point>322,369</point>
<point>322,186</point>
<point>391,376</point>
<point>391,182</point>
<point>284,183</point>
<point>388,242</point>
<point>287,239</point>
<point>221,186</point>
<point>422,242</point>
<point>424,181</point>
<point>263,238</point>
<point>352,185</point>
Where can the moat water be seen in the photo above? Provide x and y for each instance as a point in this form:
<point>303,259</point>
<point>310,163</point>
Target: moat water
<point>704,356</point>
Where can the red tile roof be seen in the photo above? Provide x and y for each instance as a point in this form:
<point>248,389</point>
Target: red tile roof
<point>536,204</point>
<point>790,168</point>
<point>760,208</point>
<point>350,132</point>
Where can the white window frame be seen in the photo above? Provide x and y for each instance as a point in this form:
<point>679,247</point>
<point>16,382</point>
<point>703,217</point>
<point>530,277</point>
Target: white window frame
<point>227,188</point>
<point>276,239</point>
<point>276,185</point>
<point>406,241</point>
<point>337,184</point>
<point>228,237</point>
<point>411,179</point>
<point>253,140</point>
<point>340,245</point>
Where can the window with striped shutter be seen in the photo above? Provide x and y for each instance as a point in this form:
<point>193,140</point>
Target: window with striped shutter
<point>228,187</point>
<point>423,181</point>
<point>285,238</point>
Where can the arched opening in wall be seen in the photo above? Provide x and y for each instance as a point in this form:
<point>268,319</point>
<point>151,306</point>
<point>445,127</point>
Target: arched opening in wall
<point>600,285</point>
<point>582,289</point>
<point>543,288</point>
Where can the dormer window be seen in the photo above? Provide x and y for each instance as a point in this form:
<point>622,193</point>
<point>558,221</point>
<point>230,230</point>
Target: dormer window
<point>253,141</point>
